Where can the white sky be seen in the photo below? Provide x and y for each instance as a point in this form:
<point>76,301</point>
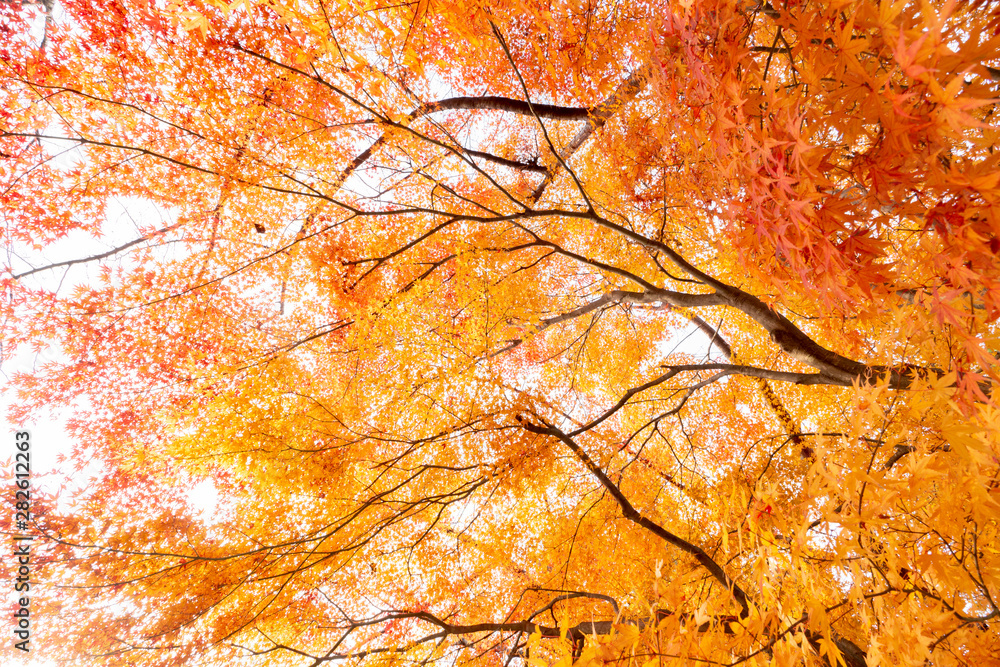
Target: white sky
<point>48,428</point>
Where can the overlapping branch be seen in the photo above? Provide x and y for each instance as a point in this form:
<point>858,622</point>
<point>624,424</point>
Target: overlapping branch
<point>632,514</point>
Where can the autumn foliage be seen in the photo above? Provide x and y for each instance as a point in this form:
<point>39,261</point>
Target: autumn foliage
<point>510,333</point>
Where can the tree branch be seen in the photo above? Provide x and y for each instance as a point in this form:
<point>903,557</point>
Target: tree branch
<point>97,257</point>
<point>511,105</point>
<point>632,514</point>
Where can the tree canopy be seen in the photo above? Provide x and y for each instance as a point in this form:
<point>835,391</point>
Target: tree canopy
<point>510,333</point>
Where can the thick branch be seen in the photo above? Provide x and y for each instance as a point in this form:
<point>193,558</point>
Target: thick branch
<point>792,340</point>
<point>675,299</point>
<point>614,297</point>
<point>504,162</point>
<point>767,374</point>
<point>494,103</point>
<point>481,103</point>
<point>527,627</point>
<point>632,514</point>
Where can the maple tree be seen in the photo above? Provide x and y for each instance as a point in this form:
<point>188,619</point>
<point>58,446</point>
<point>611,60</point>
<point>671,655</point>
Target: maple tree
<point>512,333</point>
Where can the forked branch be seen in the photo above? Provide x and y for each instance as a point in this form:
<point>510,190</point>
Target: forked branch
<point>632,514</point>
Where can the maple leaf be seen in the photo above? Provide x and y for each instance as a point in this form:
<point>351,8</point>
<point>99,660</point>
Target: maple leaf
<point>517,334</point>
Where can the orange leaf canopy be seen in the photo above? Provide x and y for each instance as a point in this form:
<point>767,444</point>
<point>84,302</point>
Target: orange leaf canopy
<point>509,333</point>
